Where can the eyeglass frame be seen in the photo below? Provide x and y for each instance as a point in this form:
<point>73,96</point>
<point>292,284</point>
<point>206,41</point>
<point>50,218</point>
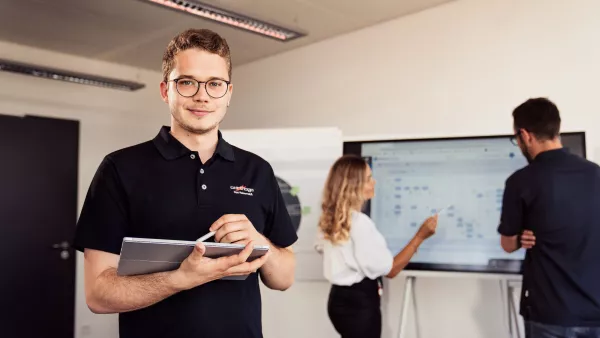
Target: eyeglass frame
<point>199,85</point>
<point>514,138</point>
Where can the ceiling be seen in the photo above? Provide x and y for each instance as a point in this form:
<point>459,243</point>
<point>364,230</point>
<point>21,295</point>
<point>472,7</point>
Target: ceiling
<point>135,33</point>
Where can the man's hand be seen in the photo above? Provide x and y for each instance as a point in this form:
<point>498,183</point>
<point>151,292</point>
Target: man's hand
<point>527,239</point>
<point>197,269</point>
<point>236,229</point>
<point>278,271</point>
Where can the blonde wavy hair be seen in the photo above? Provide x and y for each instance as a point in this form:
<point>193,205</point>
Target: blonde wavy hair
<point>343,193</point>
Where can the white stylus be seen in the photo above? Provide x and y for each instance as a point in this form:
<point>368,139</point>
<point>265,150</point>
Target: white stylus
<point>443,209</point>
<point>205,237</point>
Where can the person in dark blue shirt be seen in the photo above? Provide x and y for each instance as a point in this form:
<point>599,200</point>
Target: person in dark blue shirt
<point>552,207</point>
<point>184,183</point>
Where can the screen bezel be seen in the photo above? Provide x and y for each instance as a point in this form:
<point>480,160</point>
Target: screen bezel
<point>510,266</point>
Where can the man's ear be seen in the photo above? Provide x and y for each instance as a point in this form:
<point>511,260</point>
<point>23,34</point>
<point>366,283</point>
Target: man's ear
<point>526,136</point>
<point>163,91</point>
<point>230,94</point>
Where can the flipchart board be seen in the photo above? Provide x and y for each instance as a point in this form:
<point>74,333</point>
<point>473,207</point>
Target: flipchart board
<point>301,159</point>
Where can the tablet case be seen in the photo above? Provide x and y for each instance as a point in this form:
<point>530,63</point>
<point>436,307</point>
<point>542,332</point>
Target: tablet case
<point>141,256</point>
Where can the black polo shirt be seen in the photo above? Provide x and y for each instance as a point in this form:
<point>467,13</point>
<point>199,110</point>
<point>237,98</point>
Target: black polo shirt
<point>557,196</point>
<point>161,189</point>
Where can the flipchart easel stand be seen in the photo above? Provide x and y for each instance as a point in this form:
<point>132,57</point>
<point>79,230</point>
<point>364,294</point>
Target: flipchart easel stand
<point>508,284</point>
<point>407,298</point>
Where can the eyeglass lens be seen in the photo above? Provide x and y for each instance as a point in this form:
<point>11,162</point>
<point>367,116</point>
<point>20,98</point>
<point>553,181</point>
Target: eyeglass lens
<point>189,87</point>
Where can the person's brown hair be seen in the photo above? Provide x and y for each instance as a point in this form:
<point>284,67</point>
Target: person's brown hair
<point>343,193</point>
<point>539,116</point>
<point>203,39</point>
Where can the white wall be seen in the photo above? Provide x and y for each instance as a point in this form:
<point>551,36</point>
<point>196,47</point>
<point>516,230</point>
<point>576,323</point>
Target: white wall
<point>458,69</point>
<point>109,120</point>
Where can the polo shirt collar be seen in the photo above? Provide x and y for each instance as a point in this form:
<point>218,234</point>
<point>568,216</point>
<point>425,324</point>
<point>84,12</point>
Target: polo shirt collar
<point>554,153</point>
<point>170,148</point>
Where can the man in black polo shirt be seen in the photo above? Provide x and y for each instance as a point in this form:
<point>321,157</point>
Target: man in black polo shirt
<point>556,201</point>
<point>184,183</point>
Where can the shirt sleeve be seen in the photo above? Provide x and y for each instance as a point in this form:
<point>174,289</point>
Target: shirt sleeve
<point>511,218</point>
<point>103,221</point>
<point>279,228</point>
<point>370,248</point>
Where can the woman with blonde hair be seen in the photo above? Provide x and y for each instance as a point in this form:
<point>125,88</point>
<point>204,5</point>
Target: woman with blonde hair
<point>355,253</point>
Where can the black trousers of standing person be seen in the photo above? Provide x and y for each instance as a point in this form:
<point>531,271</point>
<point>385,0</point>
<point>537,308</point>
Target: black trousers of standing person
<point>355,310</point>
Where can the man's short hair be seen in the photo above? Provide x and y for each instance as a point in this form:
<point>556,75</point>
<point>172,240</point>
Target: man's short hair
<point>203,39</point>
<point>538,116</point>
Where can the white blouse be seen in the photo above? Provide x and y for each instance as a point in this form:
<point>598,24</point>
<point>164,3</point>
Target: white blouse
<point>364,254</point>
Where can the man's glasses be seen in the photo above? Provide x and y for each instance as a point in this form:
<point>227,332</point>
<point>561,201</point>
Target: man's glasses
<point>513,139</point>
<point>215,88</point>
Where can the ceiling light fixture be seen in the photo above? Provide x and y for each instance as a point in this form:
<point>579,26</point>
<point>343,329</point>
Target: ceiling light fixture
<point>68,76</point>
<point>229,18</point>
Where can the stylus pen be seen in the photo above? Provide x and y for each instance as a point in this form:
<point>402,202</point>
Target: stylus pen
<point>443,209</point>
<point>205,237</point>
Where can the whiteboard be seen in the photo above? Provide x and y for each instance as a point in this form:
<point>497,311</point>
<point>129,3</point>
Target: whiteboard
<point>466,175</point>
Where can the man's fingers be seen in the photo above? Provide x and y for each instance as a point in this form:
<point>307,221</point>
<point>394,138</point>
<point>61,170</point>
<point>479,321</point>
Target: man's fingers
<point>244,254</point>
<point>247,267</point>
<point>229,228</point>
<point>257,263</point>
<point>238,259</point>
<point>234,237</point>
<point>527,239</point>
<point>228,218</point>
<point>198,252</point>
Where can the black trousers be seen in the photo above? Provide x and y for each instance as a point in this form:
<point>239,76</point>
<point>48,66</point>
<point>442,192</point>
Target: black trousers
<point>539,330</point>
<point>355,310</point>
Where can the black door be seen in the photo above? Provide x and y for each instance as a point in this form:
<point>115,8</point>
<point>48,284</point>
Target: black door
<point>38,214</point>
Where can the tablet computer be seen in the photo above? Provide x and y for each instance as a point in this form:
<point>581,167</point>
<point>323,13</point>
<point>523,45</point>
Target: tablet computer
<point>140,256</point>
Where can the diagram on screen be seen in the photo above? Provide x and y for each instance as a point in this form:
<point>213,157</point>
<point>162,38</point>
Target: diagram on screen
<point>416,180</point>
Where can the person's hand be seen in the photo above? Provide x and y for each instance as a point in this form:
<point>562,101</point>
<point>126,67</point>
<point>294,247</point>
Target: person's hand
<point>428,227</point>
<point>236,229</point>
<point>527,239</point>
<point>197,269</point>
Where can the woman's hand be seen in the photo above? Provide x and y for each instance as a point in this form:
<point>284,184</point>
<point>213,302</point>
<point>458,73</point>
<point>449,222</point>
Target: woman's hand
<point>403,257</point>
<point>428,227</point>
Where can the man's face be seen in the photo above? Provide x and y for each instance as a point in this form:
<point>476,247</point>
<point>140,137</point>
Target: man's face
<point>199,113</point>
<point>523,140</point>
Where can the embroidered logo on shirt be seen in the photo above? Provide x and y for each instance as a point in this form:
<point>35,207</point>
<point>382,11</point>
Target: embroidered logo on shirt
<point>242,190</point>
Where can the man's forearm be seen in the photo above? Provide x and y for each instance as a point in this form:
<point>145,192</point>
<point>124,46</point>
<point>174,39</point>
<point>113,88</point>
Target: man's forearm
<point>510,243</point>
<point>111,293</point>
<point>278,271</point>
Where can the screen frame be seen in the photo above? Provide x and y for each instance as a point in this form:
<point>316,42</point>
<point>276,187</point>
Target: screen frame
<point>505,267</point>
